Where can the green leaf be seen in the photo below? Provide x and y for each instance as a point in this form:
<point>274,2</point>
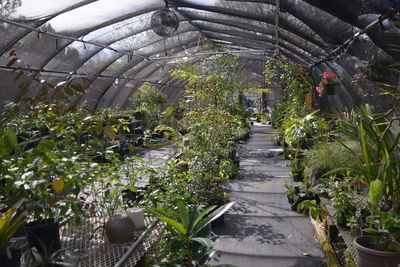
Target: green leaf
<point>10,139</point>
<point>208,243</point>
<point>45,146</point>
<point>78,88</point>
<point>69,91</point>
<point>213,216</point>
<point>375,191</point>
<point>11,62</point>
<point>176,225</point>
<point>370,230</point>
<point>99,127</point>
<point>19,75</point>
<point>110,132</point>
<point>201,216</point>
<point>168,111</point>
<point>113,120</point>
<point>184,214</point>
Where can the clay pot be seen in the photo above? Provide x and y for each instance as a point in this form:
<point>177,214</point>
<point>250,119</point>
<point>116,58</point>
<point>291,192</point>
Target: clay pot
<point>120,229</point>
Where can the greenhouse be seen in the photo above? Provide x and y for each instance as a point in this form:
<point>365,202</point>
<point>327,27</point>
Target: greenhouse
<point>261,133</point>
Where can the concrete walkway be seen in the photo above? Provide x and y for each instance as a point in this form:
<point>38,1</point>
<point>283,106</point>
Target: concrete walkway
<point>261,230</point>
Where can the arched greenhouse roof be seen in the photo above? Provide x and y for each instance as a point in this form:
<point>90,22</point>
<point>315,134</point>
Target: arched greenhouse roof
<point>112,44</point>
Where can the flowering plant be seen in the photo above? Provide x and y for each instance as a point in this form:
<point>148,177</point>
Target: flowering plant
<point>329,78</point>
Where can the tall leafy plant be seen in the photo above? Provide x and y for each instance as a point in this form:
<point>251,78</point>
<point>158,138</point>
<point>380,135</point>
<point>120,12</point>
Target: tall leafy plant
<point>378,166</point>
<point>192,242</point>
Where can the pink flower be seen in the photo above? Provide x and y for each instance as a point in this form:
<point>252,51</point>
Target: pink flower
<point>325,81</point>
<point>318,89</point>
<point>329,74</point>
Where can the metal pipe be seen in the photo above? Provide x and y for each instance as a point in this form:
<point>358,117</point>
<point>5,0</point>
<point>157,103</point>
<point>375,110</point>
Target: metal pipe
<point>136,244</point>
<point>357,35</point>
<point>277,13</point>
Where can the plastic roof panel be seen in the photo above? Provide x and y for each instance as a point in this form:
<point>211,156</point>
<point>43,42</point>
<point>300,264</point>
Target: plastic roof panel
<point>308,30</point>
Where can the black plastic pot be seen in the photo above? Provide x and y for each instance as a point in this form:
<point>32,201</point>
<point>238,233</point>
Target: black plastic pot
<point>14,261</point>
<point>138,115</point>
<point>134,196</point>
<point>297,176</point>
<point>369,257</point>
<point>44,236</point>
<point>301,199</point>
<point>220,221</point>
<point>330,89</point>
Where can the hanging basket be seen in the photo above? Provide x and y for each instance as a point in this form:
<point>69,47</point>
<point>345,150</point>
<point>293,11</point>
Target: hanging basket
<point>330,89</point>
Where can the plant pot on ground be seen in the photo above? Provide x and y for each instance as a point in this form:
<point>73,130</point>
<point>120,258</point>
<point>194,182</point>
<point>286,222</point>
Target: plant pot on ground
<point>10,221</point>
<point>120,229</point>
<point>368,256</point>
<point>132,196</point>
<point>382,249</point>
<point>220,221</point>
<point>299,193</point>
<point>297,176</point>
<point>44,236</point>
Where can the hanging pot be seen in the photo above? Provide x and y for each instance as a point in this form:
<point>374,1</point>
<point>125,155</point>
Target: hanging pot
<point>120,229</point>
<point>44,236</point>
<point>368,257</point>
<point>330,89</point>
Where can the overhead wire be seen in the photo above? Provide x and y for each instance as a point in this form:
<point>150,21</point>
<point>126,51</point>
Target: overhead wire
<point>74,75</point>
<point>56,35</point>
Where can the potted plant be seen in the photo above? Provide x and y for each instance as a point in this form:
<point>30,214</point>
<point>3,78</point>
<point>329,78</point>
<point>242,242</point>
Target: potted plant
<point>328,83</point>
<point>10,221</point>
<point>297,167</point>
<point>51,179</point>
<point>298,193</point>
<point>191,242</point>
<point>383,249</point>
<point>342,202</point>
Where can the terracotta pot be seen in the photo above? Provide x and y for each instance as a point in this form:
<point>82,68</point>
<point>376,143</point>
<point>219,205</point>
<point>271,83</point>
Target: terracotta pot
<point>368,257</point>
<point>120,229</point>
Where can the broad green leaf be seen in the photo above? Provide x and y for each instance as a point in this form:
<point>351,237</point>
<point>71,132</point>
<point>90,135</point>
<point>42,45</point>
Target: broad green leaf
<point>78,88</point>
<point>99,127</point>
<point>113,120</point>
<point>184,214</point>
<point>168,111</point>
<point>10,138</point>
<point>110,132</point>
<point>69,91</point>
<point>208,243</point>
<point>201,216</point>
<point>45,146</point>
<point>213,216</point>
<point>58,185</point>
<point>370,230</point>
<point>11,62</point>
<point>176,225</point>
<point>375,191</point>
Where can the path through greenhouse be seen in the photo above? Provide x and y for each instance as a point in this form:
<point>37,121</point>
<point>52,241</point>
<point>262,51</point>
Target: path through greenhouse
<point>261,230</point>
